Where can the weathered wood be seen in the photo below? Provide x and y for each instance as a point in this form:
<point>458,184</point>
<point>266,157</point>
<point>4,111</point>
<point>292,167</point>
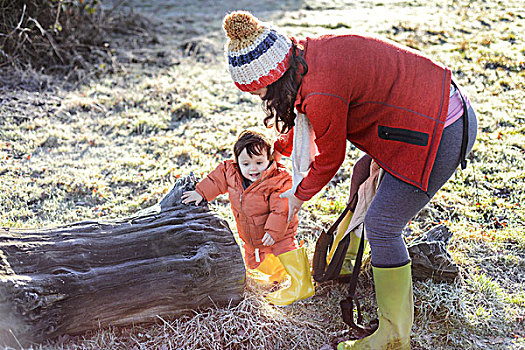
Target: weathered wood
<point>163,261</point>
<point>429,255</point>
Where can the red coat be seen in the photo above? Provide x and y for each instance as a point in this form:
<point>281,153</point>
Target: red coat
<point>257,209</point>
<point>388,100</point>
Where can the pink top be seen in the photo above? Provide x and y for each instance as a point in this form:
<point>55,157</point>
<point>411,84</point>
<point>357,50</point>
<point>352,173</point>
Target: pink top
<point>455,106</point>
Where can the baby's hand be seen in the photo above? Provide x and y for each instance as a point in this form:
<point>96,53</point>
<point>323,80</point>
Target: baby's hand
<point>191,196</point>
<point>267,240</point>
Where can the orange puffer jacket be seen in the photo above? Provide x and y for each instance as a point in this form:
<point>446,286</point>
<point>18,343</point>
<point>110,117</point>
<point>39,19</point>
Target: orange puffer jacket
<point>257,209</point>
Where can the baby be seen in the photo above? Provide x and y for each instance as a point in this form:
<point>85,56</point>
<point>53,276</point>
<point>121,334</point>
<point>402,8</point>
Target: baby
<point>254,183</point>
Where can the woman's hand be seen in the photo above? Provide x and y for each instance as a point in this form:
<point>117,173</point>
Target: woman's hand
<point>294,204</point>
<point>267,240</point>
<point>191,196</point>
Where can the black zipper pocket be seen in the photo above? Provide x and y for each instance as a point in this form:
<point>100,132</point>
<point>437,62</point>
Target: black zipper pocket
<point>403,135</point>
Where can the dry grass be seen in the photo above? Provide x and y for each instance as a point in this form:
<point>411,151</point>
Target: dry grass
<point>252,324</point>
<point>115,145</point>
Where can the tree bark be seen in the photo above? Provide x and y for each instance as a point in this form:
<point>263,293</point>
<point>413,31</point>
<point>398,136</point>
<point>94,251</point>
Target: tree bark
<point>163,261</point>
<point>430,258</point>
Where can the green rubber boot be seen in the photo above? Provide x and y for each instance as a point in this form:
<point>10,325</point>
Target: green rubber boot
<point>353,247</point>
<point>395,303</point>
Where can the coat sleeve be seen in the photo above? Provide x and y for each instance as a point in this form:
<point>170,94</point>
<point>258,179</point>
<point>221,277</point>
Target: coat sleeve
<point>214,184</point>
<point>284,143</point>
<point>276,224</point>
<point>328,115</point>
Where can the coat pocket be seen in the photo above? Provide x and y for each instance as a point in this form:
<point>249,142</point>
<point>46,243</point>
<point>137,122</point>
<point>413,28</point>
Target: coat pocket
<point>403,135</point>
<point>258,227</point>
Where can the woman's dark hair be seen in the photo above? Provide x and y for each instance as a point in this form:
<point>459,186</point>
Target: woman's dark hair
<point>279,100</point>
<point>254,143</point>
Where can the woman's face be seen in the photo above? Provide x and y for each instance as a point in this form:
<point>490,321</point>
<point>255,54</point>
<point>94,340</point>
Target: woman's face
<point>261,92</point>
<point>253,167</point>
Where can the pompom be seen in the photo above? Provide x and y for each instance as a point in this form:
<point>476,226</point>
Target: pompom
<point>240,24</point>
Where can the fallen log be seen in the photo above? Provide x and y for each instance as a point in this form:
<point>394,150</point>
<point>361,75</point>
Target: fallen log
<point>163,261</point>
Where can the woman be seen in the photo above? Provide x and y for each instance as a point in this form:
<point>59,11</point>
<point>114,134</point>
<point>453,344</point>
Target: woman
<point>399,107</point>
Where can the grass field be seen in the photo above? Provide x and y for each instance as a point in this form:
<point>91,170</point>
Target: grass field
<point>115,143</point>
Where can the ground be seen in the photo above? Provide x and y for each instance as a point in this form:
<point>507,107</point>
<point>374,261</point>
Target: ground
<point>115,142</point>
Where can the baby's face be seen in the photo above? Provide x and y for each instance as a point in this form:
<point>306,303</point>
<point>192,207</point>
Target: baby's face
<point>253,167</point>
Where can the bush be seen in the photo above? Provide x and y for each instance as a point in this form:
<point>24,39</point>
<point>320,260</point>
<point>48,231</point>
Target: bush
<point>53,35</point>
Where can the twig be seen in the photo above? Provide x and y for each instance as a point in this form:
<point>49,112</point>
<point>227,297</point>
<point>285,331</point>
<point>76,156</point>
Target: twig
<point>14,336</point>
<point>49,38</point>
<point>21,18</point>
<point>58,15</point>
<point>167,324</point>
<point>11,33</point>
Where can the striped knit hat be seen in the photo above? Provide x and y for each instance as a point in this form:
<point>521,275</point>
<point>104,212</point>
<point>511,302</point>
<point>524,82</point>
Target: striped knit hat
<point>258,55</point>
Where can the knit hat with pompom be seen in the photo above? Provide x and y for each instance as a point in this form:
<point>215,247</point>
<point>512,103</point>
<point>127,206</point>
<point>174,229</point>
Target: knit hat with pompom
<point>258,55</point>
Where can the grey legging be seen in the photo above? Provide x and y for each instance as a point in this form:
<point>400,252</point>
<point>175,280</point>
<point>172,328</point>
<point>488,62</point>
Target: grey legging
<point>397,202</point>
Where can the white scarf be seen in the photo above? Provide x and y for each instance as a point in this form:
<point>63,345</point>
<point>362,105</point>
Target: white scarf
<point>303,152</point>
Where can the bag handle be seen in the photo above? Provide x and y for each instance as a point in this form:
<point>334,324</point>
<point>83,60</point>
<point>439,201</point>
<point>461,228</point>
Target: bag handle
<point>347,305</point>
<point>321,272</point>
<point>464,140</point>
